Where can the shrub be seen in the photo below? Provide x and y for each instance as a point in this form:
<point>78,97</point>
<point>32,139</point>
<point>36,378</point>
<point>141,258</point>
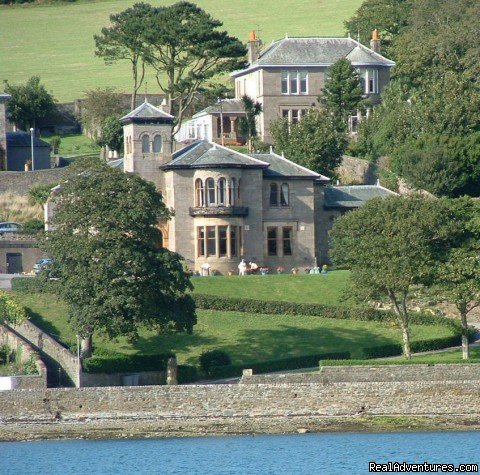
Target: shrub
<point>11,311</point>
<point>33,226</point>
<point>187,374</point>
<point>212,358</point>
<point>295,362</point>
<point>119,363</point>
<point>27,284</point>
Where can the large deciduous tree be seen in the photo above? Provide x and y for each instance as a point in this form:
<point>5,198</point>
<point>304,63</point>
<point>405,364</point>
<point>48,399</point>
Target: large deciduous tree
<point>342,94</point>
<point>314,142</point>
<point>114,278</point>
<point>391,245</point>
<point>124,40</point>
<point>29,103</point>
<point>186,49</point>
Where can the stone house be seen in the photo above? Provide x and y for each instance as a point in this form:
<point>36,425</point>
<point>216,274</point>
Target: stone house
<point>288,76</point>
<point>19,152</point>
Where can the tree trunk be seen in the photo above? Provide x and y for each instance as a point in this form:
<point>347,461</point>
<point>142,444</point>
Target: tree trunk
<point>402,314</point>
<point>87,346</point>
<point>465,347</point>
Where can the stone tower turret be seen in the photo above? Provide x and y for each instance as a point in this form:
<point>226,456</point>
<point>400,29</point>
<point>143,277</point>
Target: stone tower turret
<point>147,142</point>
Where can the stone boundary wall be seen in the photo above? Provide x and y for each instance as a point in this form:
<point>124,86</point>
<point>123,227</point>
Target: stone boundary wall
<point>20,183</point>
<point>51,347</point>
<point>15,341</point>
<point>356,171</point>
<point>374,373</point>
<point>140,378</point>
<point>245,402</point>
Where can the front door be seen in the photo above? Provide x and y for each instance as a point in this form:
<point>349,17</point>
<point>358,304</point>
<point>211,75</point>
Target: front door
<point>14,263</point>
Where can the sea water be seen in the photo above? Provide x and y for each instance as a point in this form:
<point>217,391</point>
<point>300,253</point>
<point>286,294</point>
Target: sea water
<point>325,454</point>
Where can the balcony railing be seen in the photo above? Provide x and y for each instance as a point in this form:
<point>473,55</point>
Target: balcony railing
<point>219,211</point>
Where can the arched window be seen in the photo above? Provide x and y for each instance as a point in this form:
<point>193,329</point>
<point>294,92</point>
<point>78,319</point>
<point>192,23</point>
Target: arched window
<point>273,194</point>
<point>210,188</point>
<point>222,192</point>
<point>145,144</point>
<point>199,196</point>
<point>284,195</point>
<point>232,192</point>
<point>157,144</point>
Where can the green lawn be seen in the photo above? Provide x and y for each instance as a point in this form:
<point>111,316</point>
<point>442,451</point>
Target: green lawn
<point>74,145</point>
<point>325,289</point>
<point>245,337</point>
<point>55,41</point>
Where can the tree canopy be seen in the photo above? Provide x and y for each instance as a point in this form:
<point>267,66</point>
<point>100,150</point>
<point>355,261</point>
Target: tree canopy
<point>29,103</point>
<point>314,142</point>
<point>248,124</point>
<point>114,277</point>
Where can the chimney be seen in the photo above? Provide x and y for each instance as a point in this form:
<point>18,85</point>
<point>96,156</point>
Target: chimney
<point>375,41</point>
<point>253,48</point>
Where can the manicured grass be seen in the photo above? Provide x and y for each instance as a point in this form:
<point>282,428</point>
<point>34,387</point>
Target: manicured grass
<point>245,337</point>
<point>74,145</point>
<point>326,289</point>
<point>55,41</point>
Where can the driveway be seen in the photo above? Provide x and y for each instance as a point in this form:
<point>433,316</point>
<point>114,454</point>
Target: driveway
<point>5,281</point>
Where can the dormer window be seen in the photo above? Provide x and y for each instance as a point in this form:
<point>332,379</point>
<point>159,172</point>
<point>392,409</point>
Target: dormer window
<point>294,82</point>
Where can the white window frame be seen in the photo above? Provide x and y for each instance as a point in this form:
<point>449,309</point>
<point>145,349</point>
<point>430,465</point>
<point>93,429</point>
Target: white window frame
<point>289,74</point>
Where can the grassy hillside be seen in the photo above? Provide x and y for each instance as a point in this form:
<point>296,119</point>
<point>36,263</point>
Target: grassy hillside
<point>56,43</point>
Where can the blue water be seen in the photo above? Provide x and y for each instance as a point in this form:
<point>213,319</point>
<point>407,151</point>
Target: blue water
<point>247,455</point>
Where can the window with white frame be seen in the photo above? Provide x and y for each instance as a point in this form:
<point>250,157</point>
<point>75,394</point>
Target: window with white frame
<point>369,81</point>
<point>219,241</point>
<point>293,115</point>
<point>294,82</point>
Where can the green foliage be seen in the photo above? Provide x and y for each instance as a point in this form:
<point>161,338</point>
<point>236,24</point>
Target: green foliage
<point>212,358</point>
<point>39,194</point>
<point>27,285</point>
<point>111,134</point>
<point>28,103</point>
<point>121,363</point>
<point>114,278</point>
<point>342,94</point>
<point>29,367</point>
<point>282,364</point>
<point>388,16</point>
<point>187,374</point>
<point>7,355</point>
<point>11,311</point>
<point>314,142</point>
<point>33,226</point>
<point>388,179</point>
<point>248,124</point>
<point>55,142</point>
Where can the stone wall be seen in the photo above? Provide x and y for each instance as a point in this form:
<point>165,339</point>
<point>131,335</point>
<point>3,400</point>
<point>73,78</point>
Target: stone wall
<point>28,250</point>
<point>249,401</point>
<point>21,182</point>
<point>355,171</point>
<point>141,378</point>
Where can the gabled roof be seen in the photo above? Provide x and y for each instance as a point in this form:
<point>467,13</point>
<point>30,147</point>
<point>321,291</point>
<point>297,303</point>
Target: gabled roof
<point>315,51</point>
<point>203,154</point>
<point>280,167</point>
<point>354,196</point>
<point>145,113</point>
<point>23,139</point>
<point>226,106</point>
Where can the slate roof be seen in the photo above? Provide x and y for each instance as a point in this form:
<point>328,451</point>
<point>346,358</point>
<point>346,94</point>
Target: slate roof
<point>228,106</point>
<point>315,51</point>
<point>354,196</point>
<point>118,163</point>
<point>23,139</point>
<point>203,154</point>
<point>146,113</point>
<point>280,167</point>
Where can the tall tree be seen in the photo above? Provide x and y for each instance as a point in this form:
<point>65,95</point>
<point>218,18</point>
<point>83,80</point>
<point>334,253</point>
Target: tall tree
<point>248,124</point>
<point>29,103</point>
<point>114,278</point>
<point>185,49</point>
<point>391,245</point>
<point>315,142</point>
<point>112,134</point>
<point>342,94</point>
<point>124,40</point>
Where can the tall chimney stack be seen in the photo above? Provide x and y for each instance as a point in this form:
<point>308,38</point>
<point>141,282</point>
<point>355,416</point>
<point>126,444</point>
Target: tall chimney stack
<point>375,41</point>
<point>253,48</point>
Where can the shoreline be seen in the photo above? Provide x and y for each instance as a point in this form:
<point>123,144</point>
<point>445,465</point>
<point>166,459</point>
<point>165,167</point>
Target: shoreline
<point>138,428</point>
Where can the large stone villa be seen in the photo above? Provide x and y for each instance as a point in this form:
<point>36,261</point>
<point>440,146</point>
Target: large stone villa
<point>286,78</point>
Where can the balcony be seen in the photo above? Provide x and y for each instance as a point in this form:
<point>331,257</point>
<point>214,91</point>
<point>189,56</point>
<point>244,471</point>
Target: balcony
<point>219,211</point>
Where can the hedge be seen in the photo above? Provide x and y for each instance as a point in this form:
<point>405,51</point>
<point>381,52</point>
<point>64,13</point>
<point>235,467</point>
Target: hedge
<point>295,362</point>
<point>187,374</point>
<point>120,363</point>
<point>231,304</point>
<point>27,284</point>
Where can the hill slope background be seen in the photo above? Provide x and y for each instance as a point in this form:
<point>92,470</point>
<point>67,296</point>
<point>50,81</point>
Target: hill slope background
<point>55,41</point>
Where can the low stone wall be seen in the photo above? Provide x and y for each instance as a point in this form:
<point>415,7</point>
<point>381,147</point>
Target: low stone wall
<point>21,182</point>
<point>374,373</point>
<point>16,343</point>
<point>142,378</point>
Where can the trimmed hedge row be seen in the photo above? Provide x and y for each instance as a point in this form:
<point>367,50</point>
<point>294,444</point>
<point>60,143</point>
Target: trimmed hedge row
<point>231,304</point>
<point>187,374</point>
<point>27,284</point>
<point>120,363</point>
<point>295,362</point>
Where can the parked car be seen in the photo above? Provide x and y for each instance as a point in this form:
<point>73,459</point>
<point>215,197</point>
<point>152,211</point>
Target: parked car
<point>42,264</point>
<point>7,227</point>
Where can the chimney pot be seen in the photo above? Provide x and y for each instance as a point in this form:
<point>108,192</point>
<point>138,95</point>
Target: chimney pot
<point>375,41</point>
<point>252,36</point>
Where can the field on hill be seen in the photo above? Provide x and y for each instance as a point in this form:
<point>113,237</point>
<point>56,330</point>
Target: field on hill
<point>55,41</point>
